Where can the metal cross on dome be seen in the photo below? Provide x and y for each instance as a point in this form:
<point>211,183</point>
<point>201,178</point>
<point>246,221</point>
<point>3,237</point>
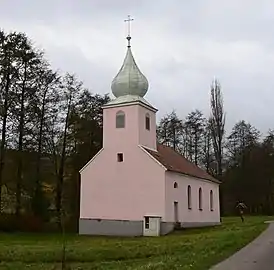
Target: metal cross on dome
<point>128,20</point>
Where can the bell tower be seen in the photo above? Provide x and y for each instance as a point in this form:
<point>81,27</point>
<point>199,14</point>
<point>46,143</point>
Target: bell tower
<point>129,119</point>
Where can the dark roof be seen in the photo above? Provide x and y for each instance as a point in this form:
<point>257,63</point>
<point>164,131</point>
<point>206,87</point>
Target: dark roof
<point>175,162</point>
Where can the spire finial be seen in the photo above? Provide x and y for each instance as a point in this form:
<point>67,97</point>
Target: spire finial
<point>128,20</point>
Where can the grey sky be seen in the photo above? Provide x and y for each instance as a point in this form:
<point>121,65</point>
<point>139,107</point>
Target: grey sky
<point>179,45</point>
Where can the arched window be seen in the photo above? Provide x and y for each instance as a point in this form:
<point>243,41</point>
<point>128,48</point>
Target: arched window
<point>211,200</point>
<point>189,197</point>
<point>120,119</point>
<point>147,122</point>
<point>175,185</point>
<point>200,199</point>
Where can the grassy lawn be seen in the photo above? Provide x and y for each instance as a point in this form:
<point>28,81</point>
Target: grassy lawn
<point>195,249</point>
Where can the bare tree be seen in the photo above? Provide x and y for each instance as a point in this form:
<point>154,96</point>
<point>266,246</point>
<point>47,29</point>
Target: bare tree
<point>27,63</point>
<point>207,150</point>
<point>5,85</point>
<point>169,131</point>
<point>217,124</point>
<point>217,128</point>
<point>47,82</point>
<point>72,89</point>
<point>194,128</point>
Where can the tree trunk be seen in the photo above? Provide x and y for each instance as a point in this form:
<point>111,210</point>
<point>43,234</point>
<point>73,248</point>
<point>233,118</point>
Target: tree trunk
<point>37,200</point>
<point>60,181</point>
<point>20,146</point>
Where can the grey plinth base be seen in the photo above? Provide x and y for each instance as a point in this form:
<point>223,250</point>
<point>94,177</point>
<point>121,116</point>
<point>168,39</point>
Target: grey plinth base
<point>129,228</point>
<point>110,227</point>
<point>117,227</point>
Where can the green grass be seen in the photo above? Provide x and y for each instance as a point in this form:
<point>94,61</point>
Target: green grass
<point>195,249</point>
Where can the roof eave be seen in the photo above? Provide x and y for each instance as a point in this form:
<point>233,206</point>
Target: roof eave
<point>194,176</point>
<point>136,102</point>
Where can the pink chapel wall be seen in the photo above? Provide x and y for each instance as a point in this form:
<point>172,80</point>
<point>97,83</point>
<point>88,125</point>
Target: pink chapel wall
<point>125,190</point>
<point>180,195</point>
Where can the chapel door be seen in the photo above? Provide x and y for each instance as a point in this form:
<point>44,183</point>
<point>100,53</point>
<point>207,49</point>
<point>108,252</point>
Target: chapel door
<point>176,215</point>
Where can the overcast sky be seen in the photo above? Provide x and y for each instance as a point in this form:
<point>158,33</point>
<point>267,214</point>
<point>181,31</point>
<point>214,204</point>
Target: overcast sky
<point>180,45</point>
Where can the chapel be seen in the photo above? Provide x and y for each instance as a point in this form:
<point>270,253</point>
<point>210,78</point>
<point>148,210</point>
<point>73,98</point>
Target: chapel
<point>134,186</point>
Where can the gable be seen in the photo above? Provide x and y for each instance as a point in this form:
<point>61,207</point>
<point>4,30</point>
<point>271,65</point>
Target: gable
<point>95,156</point>
<point>147,151</point>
